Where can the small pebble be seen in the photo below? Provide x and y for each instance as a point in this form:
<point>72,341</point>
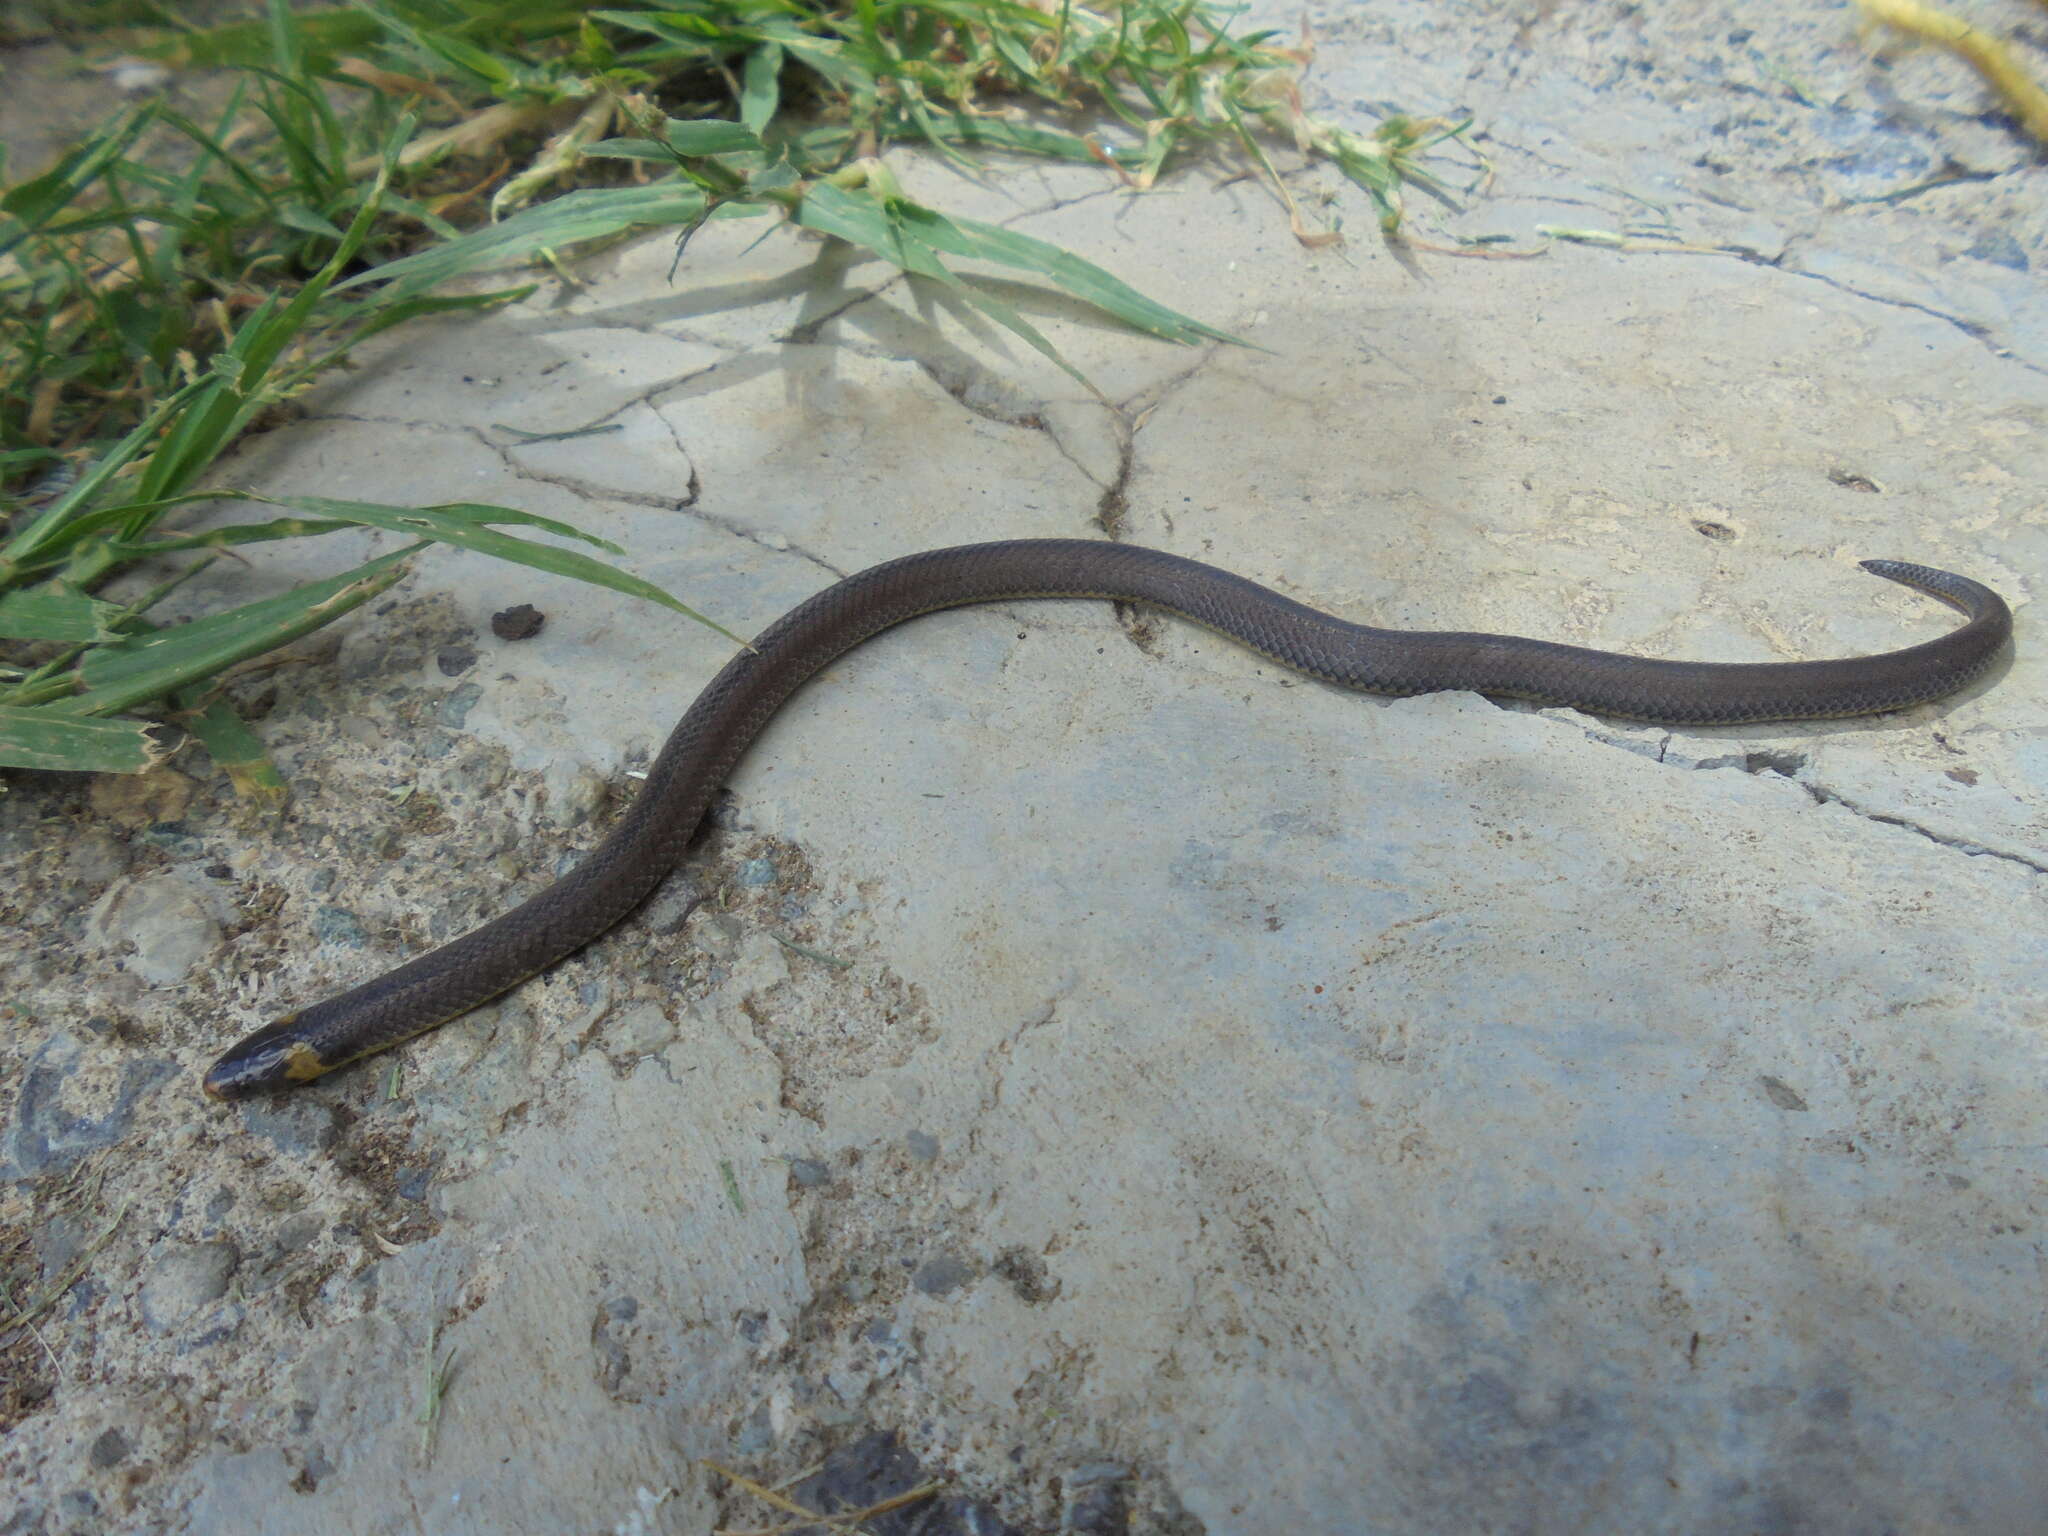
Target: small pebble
<point>943,1275</point>
<point>165,921</point>
<point>109,1450</point>
<point>575,793</point>
<point>460,701</point>
<point>338,925</point>
<point>184,1278</point>
<point>522,622</point>
<point>640,1031</point>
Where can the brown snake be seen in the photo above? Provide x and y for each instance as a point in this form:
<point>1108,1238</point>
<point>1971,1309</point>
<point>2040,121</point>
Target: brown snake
<point>651,834</point>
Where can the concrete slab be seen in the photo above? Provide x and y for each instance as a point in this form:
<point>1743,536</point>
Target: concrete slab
<point>1165,1094</point>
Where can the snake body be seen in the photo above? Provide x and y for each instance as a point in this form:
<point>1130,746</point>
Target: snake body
<point>651,834</point>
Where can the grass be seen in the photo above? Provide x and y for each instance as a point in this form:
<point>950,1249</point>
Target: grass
<point>173,279</point>
<point>439,1373</point>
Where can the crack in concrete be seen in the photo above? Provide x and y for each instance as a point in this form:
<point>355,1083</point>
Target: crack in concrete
<point>576,485</point>
<point>694,486</point>
<point>1058,203</point>
<point>1821,795</point>
<point>1790,763</point>
<point>1976,330</point>
<point>731,349</point>
<point>998,1057</point>
<point>805,332</point>
<point>1159,391</point>
<point>691,502</point>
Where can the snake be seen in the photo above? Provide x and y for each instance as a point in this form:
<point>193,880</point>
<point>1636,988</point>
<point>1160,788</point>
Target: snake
<point>650,836</point>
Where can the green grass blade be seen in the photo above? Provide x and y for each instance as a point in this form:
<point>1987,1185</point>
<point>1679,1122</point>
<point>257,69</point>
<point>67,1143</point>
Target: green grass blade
<point>230,743</point>
<point>709,136</point>
<point>466,524</point>
<point>860,219</point>
<point>229,537</point>
<point>49,528</point>
<point>453,522</point>
<point>38,738</point>
<point>761,87</point>
<point>574,216</point>
<point>118,677</point>
<point>321,37</point>
<point>199,435</point>
<point>998,133</point>
<point>1070,273</point>
<point>397,313</point>
<point>865,220</point>
<point>35,202</point>
<point>53,613</point>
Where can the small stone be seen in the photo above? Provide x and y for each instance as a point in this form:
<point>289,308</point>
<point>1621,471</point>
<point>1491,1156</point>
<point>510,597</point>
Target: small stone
<point>298,1231</point>
<point>222,1324</point>
<point>1781,1093</point>
<point>475,773</point>
<point>757,1435</point>
<point>849,1386</point>
<point>338,925</point>
<point>1999,248</point>
<point>672,907</point>
<point>943,1275</point>
<point>640,1031</point>
<point>520,622</point>
<point>454,660</point>
<point>454,712</point>
<point>1097,1472</point>
<point>575,793</point>
<point>80,1510</point>
<point>174,837</point>
<point>136,77</point>
<point>718,935</point>
<point>923,1147</point>
<point>46,1132</point>
<point>231,1485</point>
<point>1026,1274</point>
<point>163,919</point>
<point>109,1450</point>
<point>412,1184</point>
<point>756,872</point>
<point>1097,1509</point>
<point>185,1278</point>
<point>809,1173</point>
<point>96,860</point>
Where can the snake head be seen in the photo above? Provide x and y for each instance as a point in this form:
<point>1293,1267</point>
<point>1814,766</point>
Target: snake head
<point>275,1056</point>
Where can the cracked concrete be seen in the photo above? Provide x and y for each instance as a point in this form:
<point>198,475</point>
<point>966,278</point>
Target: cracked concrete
<point>1078,1048</point>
